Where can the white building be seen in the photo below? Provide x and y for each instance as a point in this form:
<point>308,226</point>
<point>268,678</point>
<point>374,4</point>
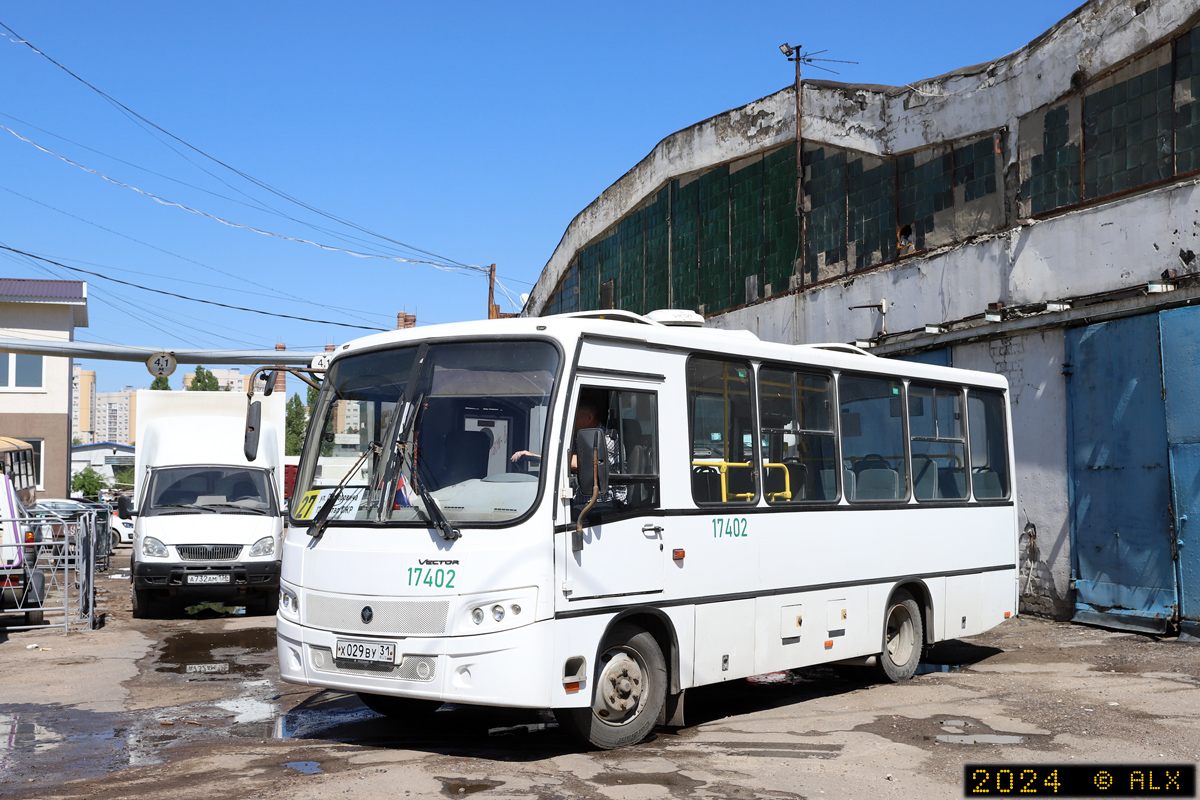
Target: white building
<point>1037,216</point>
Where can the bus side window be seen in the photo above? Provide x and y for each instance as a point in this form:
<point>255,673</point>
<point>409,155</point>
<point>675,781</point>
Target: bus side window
<point>873,437</point>
<point>721,416</point>
<point>938,442</point>
<point>989,444</point>
<point>799,447</point>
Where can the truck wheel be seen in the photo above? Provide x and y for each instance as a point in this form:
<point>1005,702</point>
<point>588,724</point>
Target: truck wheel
<point>35,617</point>
<point>398,707</point>
<point>903,638</point>
<point>628,694</point>
<point>140,602</point>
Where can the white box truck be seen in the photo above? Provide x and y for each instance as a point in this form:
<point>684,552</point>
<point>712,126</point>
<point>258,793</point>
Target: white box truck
<point>208,521</point>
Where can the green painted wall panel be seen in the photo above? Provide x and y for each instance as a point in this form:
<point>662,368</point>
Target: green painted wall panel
<point>746,234</point>
<point>685,239</point>
<point>713,288</point>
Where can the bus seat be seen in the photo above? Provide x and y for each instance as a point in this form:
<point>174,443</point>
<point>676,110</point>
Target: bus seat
<point>925,478</point>
<point>986,483</point>
<point>464,456</point>
<point>829,489</point>
<point>706,484</point>
<point>951,483</point>
<point>878,484</point>
<point>797,478</point>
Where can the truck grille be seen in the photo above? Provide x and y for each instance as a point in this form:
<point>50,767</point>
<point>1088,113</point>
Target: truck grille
<point>209,552</point>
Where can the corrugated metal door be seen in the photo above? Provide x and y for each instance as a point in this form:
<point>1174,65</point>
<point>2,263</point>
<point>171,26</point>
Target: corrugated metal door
<point>1121,526</point>
<point>1180,334</point>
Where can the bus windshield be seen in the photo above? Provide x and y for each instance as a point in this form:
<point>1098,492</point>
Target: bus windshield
<point>427,432</point>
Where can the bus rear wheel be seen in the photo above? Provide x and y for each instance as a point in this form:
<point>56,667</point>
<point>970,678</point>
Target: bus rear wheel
<point>903,637</point>
<point>398,707</point>
<point>628,694</point>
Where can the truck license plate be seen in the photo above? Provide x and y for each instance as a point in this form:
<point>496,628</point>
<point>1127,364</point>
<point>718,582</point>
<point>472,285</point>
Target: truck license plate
<point>217,577</point>
<point>371,652</point>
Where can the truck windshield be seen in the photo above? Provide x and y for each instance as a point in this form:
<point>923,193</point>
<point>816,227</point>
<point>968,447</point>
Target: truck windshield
<point>218,489</point>
<point>467,435</point>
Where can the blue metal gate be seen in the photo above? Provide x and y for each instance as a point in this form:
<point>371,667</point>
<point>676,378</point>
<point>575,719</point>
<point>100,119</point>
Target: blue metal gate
<point>1180,336</point>
<point>1121,523</point>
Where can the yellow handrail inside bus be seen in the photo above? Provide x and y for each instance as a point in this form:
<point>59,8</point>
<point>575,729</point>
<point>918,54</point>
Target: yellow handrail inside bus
<point>724,466</point>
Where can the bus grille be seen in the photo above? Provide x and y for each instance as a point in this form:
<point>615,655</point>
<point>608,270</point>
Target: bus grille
<point>209,552</point>
<point>390,617</point>
<point>422,669</point>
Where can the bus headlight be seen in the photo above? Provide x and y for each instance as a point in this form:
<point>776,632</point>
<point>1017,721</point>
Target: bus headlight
<point>289,602</point>
<point>498,613</point>
<point>263,547</point>
<point>477,616</point>
<point>153,548</point>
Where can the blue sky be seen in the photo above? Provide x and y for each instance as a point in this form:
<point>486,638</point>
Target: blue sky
<point>473,131</point>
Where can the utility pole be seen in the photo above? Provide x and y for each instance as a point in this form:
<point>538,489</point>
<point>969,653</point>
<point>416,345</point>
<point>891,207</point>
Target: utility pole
<point>793,54</point>
<point>493,306</point>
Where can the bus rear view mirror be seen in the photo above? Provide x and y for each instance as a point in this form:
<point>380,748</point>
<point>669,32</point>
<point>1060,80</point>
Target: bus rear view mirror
<point>591,453</point>
<point>253,419</point>
<point>269,380</point>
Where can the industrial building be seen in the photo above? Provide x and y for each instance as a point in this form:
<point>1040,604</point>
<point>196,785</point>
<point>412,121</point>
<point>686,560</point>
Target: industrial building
<point>1036,216</point>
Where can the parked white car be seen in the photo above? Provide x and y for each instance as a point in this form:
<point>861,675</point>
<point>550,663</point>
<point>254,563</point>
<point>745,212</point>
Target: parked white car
<point>121,531</point>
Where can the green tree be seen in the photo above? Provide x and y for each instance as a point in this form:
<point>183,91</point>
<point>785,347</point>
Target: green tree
<point>162,384</point>
<point>123,477</point>
<point>295,424</point>
<point>88,482</point>
<point>204,381</point>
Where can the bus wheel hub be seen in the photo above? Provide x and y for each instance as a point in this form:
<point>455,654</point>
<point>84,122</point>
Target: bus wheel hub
<point>621,686</point>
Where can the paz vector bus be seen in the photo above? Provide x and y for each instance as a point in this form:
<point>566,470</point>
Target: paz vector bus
<point>594,512</point>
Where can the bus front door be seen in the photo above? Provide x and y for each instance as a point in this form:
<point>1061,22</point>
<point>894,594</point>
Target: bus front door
<point>620,551</point>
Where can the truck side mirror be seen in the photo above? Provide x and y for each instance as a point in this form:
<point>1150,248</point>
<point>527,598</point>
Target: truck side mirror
<point>253,419</point>
<point>270,382</point>
<point>124,507</point>
<point>591,455</point>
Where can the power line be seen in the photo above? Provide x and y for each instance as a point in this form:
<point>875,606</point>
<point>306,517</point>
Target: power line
<point>255,181</point>
<point>185,297</point>
<point>255,204</point>
<point>274,293</point>
<point>223,221</point>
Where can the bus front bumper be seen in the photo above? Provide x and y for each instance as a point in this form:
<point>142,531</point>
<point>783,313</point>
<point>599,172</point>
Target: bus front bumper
<point>510,668</point>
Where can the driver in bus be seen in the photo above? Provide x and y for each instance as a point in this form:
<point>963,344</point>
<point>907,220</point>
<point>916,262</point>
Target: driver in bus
<point>588,415</point>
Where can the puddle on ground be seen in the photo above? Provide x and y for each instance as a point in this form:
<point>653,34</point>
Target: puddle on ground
<point>206,656</point>
<point>926,669</point>
<point>932,731</point>
<point>679,785</point>
<point>307,767</point>
<point>458,787</point>
<point>979,738</point>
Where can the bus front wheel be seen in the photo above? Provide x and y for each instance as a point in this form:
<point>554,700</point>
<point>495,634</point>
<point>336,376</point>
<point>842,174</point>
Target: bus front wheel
<point>903,637</point>
<point>628,695</point>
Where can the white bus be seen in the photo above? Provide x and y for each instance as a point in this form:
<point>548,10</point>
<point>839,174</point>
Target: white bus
<point>768,507</point>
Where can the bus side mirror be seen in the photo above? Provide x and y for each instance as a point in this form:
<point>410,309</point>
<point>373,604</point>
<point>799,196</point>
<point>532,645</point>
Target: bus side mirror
<point>591,455</point>
<point>124,507</point>
<point>253,419</point>
<point>270,382</point>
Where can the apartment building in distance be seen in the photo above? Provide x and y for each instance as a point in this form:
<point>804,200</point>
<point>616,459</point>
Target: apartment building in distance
<point>116,416</point>
<point>83,405</point>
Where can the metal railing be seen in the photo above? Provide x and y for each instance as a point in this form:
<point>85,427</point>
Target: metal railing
<point>49,577</point>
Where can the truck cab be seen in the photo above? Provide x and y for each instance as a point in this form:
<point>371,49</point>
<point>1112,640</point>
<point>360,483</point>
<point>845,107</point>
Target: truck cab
<point>208,523</point>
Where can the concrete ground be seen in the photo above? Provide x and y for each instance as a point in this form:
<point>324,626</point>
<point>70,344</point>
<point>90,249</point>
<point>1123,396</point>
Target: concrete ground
<point>191,706</point>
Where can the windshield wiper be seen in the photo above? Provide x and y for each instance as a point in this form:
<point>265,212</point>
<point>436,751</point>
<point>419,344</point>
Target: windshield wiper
<point>317,529</point>
<point>435,513</point>
<point>180,505</point>
<point>251,509</point>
